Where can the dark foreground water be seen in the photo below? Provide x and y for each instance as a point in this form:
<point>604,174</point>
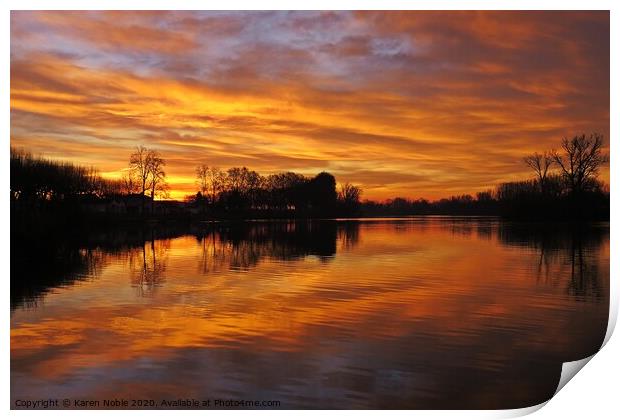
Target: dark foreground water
<point>408,313</point>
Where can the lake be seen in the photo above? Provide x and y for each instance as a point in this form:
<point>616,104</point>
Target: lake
<point>428,312</point>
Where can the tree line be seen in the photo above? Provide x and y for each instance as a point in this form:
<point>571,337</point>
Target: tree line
<point>241,191</point>
<point>36,180</point>
<point>41,182</point>
<point>38,183</point>
<point>564,184</point>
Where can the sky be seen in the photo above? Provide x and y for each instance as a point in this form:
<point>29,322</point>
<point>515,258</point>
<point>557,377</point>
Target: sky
<point>410,104</point>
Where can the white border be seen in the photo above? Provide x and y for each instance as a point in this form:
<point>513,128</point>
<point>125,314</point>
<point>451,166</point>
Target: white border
<point>593,393</point>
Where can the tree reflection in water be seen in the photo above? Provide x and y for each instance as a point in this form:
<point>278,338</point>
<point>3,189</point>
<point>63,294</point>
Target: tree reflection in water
<point>566,252</point>
<point>434,312</point>
<point>147,265</point>
<point>243,246</point>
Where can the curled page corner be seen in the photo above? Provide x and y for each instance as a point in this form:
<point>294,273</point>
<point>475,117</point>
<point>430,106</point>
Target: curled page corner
<point>613,317</point>
<point>569,370</point>
<point>521,412</point>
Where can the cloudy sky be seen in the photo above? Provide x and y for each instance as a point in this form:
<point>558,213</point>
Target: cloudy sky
<point>414,104</point>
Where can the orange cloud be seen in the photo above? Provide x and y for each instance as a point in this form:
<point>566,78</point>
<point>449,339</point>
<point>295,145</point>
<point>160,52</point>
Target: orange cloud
<point>403,103</point>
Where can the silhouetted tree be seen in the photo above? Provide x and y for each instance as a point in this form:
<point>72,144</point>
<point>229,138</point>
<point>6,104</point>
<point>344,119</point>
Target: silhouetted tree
<point>216,178</point>
<point>146,168</point>
<point>211,182</point>
<point>581,159</point>
<point>157,176</point>
<point>349,197</point>
<point>202,179</point>
<point>540,163</point>
<point>38,180</point>
<point>322,194</point>
<point>285,191</point>
<point>139,167</point>
<point>129,184</point>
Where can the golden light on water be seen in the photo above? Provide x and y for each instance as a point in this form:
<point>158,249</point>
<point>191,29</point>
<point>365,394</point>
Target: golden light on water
<point>205,314</point>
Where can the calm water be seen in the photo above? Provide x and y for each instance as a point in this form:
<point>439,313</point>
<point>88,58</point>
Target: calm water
<point>416,313</point>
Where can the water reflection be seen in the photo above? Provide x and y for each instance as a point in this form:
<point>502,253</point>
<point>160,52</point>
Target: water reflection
<point>147,265</point>
<point>408,313</point>
<point>565,251</point>
<point>235,246</point>
<point>243,246</point>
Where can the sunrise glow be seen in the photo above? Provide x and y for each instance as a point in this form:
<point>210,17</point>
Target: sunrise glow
<point>412,104</point>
